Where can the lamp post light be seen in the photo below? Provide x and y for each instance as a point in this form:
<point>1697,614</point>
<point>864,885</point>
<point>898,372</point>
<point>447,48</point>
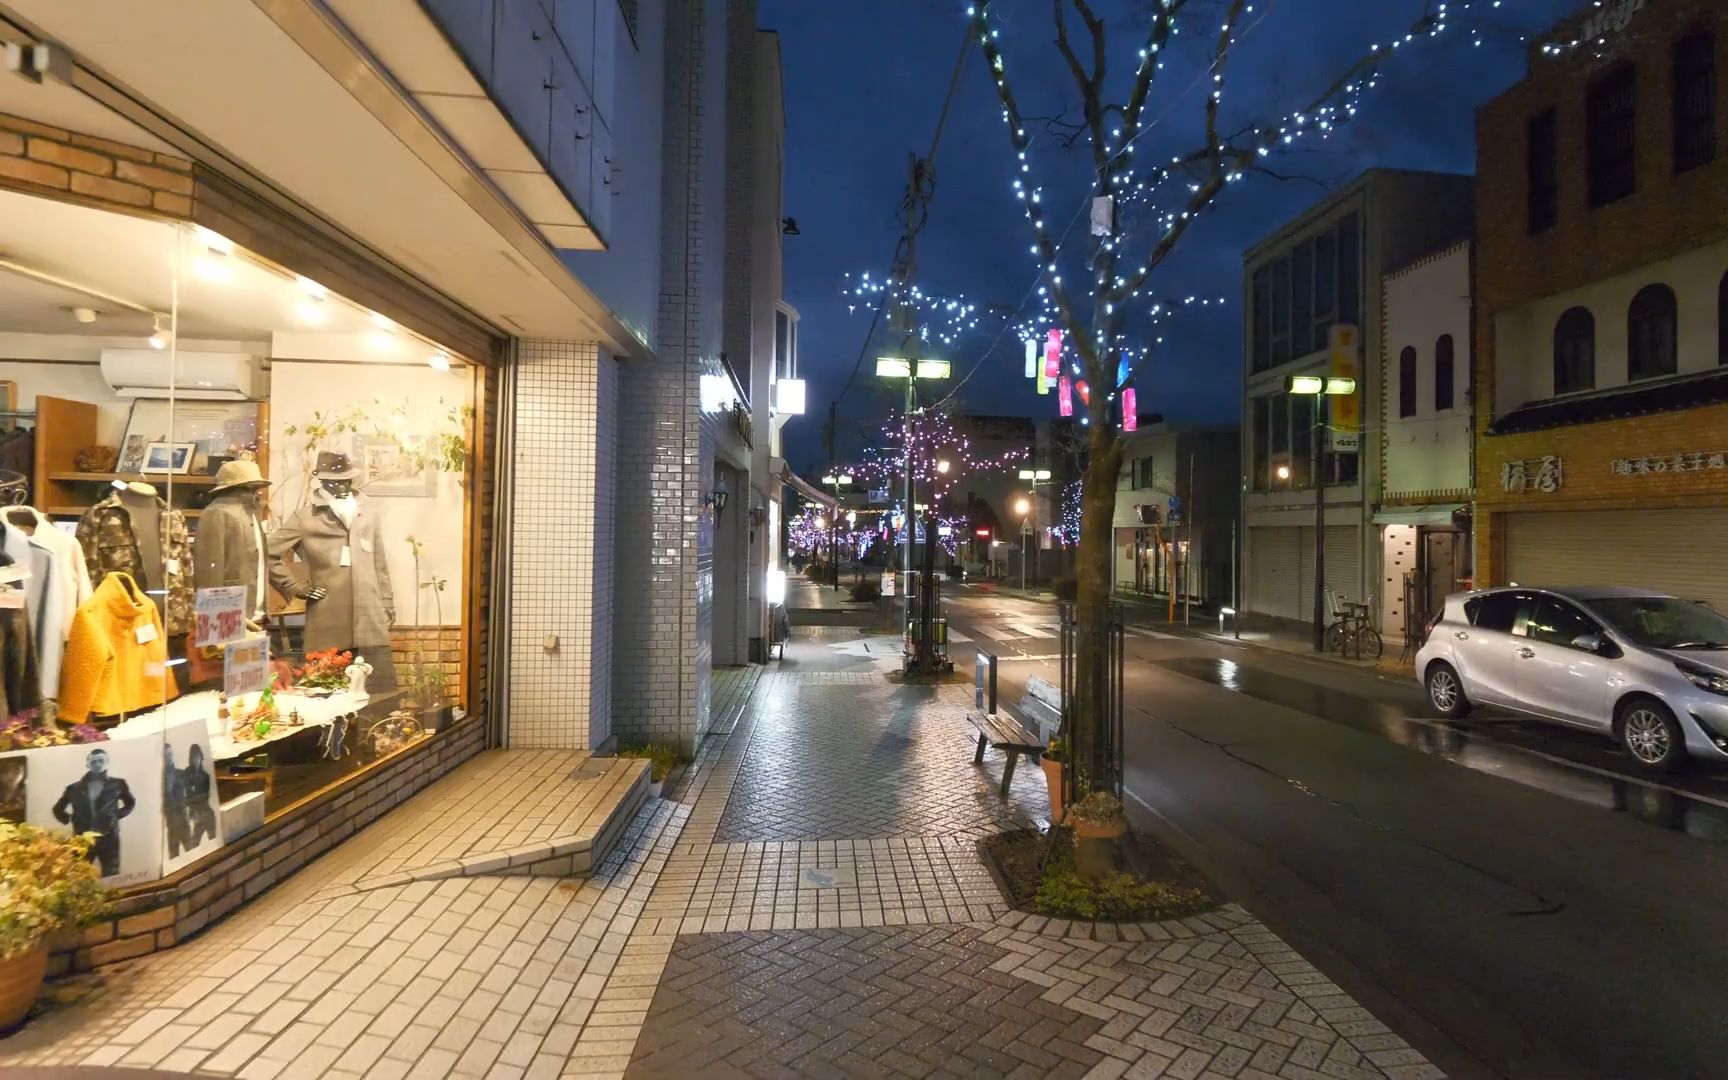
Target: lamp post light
<point>1320,387</point>
<point>1033,477</point>
<point>836,482</point>
<point>1023,507</point>
<point>912,369</point>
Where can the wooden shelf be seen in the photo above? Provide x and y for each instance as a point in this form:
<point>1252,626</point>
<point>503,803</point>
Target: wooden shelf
<point>187,479</point>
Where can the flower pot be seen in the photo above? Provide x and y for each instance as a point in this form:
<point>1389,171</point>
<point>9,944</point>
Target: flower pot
<point>1053,782</point>
<point>1100,830</point>
<point>20,981</point>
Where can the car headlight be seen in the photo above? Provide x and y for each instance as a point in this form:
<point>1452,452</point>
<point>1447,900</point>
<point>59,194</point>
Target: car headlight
<point>1706,680</point>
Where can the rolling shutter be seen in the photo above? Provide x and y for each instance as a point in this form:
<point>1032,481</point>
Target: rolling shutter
<point>1671,551</point>
<point>1275,562</point>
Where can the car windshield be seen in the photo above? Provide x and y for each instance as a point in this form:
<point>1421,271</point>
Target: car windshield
<point>1662,622</point>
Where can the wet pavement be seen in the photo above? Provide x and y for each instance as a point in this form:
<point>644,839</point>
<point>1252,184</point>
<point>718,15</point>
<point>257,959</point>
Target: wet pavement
<point>1503,875</point>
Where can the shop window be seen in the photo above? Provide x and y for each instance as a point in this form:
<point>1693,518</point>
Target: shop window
<point>1575,351</point>
<point>1407,382</point>
<point>1694,101</point>
<point>1542,171</point>
<point>1651,350</point>
<point>1611,136</point>
<point>248,510</point>
<point>1722,321</point>
<point>1445,375</point>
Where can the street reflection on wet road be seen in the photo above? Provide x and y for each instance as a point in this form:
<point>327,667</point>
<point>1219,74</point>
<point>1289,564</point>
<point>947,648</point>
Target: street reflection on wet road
<point>1588,770</point>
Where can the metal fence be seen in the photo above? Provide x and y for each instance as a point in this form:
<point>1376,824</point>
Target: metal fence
<point>1103,642</point>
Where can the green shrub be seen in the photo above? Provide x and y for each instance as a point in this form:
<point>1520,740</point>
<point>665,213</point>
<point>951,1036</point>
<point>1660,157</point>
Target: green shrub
<point>662,759</point>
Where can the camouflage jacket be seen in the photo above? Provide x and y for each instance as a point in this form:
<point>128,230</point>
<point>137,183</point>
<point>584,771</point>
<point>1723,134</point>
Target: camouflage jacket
<point>105,533</point>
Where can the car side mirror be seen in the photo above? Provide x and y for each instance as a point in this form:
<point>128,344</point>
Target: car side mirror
<point>1594,643</point>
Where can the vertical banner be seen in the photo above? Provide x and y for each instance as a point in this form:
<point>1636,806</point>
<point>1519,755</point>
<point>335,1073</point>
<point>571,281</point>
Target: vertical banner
<point>1031,358</point>
<point>1065,396</point>
<point>1123,371</point>
<point>1130,410</point>
<point>1053,355</point>
<point>1346,345</point>
<point>1085,389</point>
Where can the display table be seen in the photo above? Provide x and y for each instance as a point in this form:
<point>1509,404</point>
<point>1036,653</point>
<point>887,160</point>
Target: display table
<point>314,712</point>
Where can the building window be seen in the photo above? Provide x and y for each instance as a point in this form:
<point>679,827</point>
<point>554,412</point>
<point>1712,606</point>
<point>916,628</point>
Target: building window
<point>1281,311</point>
<point>1407,382</point>
<point>1301,440</point>
<point>1281,438</point>
<point>1542,170</point>
<point>1350,271</point>
<point>1694,101</point>
<point>782,346</point>
<point>1261,358</point>
<point>1325,286</point>
<point>1143,473</point>
<point>1612,136</point>
<point>1575,352</point>
<point>1262,436</point>
<point>1722,321</point>
<point>1302,286</point>
<point>1445,378</point>
<point>1650,334</point>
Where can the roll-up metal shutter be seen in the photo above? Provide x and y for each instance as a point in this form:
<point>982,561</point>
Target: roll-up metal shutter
<point>1343,565</point>
<point>1670,551</point>
<point>1275,562</point>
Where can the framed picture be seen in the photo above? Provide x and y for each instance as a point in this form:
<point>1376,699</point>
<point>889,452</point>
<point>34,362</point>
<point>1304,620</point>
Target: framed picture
<point>395,468</point>
<point>166,457</point>
<point>131,458</point>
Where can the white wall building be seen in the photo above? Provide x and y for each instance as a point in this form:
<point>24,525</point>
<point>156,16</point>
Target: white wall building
<point>1425,445</point>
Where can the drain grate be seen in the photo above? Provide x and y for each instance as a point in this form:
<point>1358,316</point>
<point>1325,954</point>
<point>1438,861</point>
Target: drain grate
<point>592,769</point>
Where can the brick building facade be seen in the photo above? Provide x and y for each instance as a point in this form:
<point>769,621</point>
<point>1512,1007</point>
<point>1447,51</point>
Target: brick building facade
<point>1601,286</point>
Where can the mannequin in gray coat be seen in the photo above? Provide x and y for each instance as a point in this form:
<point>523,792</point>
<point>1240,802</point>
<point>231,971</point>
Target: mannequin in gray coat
<point>340,543</point>
<point>229,548</point>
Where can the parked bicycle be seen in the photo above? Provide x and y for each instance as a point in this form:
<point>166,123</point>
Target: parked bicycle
<point>1351,635</point>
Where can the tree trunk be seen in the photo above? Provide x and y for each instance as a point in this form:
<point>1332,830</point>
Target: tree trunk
<point>1091,703</point>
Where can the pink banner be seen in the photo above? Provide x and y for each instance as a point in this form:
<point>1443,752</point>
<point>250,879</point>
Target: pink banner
<point>1053,355</point>
<point>1065,396</point>
<point>1130,413</point>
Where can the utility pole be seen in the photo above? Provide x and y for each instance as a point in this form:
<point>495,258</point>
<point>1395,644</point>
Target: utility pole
<point>1322,435</point>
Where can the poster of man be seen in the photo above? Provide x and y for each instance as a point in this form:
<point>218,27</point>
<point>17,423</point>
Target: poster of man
<point>189,809</point>
<point>95,802</point>
<point>104,788</point>
<point>13,770</point>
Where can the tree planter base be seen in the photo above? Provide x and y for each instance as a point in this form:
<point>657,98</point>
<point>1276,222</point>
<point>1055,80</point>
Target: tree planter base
<point>20,982</point>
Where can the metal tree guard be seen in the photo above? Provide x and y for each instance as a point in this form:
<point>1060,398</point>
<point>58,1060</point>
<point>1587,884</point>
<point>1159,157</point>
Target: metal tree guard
<point>1103,762</point>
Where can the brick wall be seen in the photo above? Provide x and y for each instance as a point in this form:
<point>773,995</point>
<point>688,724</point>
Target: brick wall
<point>440,645</point>
<point>43,160</point>
<point>160,915</point>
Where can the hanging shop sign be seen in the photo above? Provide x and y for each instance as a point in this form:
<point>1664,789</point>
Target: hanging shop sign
<point>1541,474</point>
<point>741,422</point>
<point>1677,462</point>
<point>1346,347</point>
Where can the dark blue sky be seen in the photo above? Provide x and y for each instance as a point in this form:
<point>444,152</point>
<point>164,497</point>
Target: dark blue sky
<point>864,83</point>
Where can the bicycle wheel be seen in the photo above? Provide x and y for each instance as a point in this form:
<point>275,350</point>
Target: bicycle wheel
<point>1335,638</point>
<point>1368,644</point>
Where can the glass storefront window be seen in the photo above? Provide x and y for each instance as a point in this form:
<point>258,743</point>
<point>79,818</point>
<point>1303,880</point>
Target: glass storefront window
<point>235,535</point>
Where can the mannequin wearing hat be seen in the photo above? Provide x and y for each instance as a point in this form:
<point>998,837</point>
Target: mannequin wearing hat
<point>229,548</point>
<point>342,573</point>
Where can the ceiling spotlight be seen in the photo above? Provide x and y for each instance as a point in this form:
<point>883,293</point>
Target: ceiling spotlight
<point>159,332</point>
<point>310,312</point>
<point>83,314</point>
<point>313,289</point>
<point>439,361</point>
<point>382,323</point>
<point>214,266</point>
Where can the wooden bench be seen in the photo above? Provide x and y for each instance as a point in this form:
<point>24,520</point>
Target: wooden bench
<point>1017,731</point>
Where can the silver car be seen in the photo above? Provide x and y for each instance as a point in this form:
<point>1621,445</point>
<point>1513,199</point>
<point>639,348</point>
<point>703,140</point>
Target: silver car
<point>1648,669</point>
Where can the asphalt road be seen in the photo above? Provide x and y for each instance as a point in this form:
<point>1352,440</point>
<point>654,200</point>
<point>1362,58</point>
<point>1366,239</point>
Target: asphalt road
<point>1511,898</point>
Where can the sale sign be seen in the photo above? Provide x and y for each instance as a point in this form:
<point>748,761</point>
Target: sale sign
<point>220,615</point>
<point>246,667</point>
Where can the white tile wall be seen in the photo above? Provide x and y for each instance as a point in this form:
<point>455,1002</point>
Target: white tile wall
<point>561,519</point>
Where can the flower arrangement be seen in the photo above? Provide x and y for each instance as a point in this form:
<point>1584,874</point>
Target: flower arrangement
<point>1098,808</point>
<point>327,670</point>
<point>20,732</point>
<point>1057,751</point>
<point>47,885</point>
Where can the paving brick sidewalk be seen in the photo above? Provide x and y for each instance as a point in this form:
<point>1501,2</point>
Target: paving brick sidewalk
<point>809,901</point>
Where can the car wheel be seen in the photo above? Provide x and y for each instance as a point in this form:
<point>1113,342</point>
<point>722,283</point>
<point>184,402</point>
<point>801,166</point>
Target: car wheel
<point>1446,692</point>
<point>1651,735</point>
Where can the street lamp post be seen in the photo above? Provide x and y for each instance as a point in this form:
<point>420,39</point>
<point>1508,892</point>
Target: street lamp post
<point>1320,388</point>
<point>1035,477</point>
<point>836,482</point>
<point>1023,506</point>
<point>913,369</point>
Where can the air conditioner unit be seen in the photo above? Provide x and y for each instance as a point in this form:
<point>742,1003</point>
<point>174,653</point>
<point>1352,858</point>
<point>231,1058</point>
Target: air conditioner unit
<point>201,376</point>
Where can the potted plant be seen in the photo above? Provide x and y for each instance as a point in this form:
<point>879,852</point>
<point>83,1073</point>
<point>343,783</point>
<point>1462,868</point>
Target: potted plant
<point>1055,757</point>
<point>1098,821</point>
<point>48,887</point>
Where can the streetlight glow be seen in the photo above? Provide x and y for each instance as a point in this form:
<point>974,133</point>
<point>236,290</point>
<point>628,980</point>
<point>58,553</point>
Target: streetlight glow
<point>1022,507</point>
<point>1283,472</point>
<point>942,466</point>
<point>1306,384</point>
<point>1034,474</point>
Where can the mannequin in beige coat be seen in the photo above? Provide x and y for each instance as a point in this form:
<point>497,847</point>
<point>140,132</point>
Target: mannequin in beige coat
<point>345,580</point>
<point>229,547</point>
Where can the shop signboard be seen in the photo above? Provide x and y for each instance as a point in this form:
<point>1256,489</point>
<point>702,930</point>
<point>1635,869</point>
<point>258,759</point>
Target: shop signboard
<point>246,669</point>
<point>220,615</point>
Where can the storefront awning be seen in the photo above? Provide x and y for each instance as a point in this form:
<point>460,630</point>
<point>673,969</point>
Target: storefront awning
<point>1419,515</point>
<point>806,489</point>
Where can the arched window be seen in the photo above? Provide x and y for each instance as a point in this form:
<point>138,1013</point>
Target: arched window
<point>1722,321</point>
<point>1575,351</point>
<point>1445,379</point>
<point>1407,382</point>
<point>1650,334</point>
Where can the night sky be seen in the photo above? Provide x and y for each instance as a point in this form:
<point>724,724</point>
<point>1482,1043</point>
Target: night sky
<point>864,83</point>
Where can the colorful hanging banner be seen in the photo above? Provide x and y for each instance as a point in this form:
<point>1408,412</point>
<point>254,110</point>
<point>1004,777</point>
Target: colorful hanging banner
<point>1130,410</point>
<point>1053,355</point>
<point>1065,396</point>
<point>1085,391</point>
<point>1031,358</point>
<point>1123,370</point>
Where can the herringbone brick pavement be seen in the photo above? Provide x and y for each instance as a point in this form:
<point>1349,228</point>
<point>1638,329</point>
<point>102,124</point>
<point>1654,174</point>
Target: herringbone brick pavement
<point>911,1001</point>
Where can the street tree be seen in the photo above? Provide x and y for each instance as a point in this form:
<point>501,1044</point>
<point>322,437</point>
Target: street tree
<point>1138,211</point>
